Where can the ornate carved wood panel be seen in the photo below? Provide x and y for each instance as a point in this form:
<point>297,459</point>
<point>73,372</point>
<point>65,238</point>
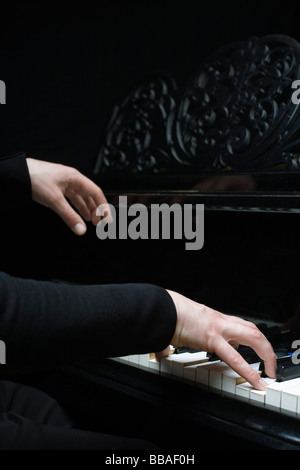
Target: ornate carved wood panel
<point>234,115</point>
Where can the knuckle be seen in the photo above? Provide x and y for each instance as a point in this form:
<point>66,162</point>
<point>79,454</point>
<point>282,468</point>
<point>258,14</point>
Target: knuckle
<point>72,174</point>
<point>251,324</point>
<point>273,356</point>
<point>256,335</point>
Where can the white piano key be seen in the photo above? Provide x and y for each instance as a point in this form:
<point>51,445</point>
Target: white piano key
<point>189,373</point>
<point>298,408</point>
<point>154,365</point>
<point>274,392</point>
<point>216,376</point>
<point>144,361</point>
<point>203,371</point>
<point>117,359</point>
<point>257,396</point>
<point>222,377</point>
<point>289,400</point>
<point>231,379</point>
<point>214,372</point>
<point>181,361</point>
<point>242,391</point>
<point>166,365</point>
<point>124,359</point>
<point>133,359</point>
<point>247,392</point>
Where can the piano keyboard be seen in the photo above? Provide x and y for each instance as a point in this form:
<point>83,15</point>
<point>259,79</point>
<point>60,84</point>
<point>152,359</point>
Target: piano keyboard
<point>197,369</point>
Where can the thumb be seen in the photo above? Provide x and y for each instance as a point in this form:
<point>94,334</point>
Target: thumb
<point>162,354</point>
<point>71,218</point>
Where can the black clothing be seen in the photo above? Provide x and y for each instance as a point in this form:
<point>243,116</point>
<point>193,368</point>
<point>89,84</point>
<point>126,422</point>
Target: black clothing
<point>31,420</point>
<point>47,324</point>
<point>15,187</point>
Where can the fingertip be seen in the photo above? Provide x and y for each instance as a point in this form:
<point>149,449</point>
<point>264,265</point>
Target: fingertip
<point>262,385</point>
<point>79,229</point>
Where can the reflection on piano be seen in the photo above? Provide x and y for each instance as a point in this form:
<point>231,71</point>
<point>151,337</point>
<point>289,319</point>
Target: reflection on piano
<point>228,140</point>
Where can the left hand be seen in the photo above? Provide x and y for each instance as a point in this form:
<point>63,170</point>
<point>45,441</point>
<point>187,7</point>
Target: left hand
<point>56,186</point>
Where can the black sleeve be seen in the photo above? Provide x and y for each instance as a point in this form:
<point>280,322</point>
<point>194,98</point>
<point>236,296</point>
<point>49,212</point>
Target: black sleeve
<point>46,324</point>
<point>15,185</point>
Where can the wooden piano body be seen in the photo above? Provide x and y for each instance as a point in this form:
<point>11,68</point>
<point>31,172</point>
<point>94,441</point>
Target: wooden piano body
<point>228,140</point>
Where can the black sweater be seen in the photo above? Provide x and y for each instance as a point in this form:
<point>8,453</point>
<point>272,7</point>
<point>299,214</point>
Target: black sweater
<point>45,324</point>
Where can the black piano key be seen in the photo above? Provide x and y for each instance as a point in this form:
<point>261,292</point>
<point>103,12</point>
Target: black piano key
<point>250,355</point>
<point>287,368</point>
<point>212,356</point>
<point>280,340</point>
<point>245,351</point>
<point>184,349</point>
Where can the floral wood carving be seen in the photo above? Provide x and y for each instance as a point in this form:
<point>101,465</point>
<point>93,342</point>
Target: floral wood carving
<point>235,114</point>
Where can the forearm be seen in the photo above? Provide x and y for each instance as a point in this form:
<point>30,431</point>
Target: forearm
<point>46,324</point>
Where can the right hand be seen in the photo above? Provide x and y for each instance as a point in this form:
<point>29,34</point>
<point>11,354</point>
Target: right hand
<point>200,327</point>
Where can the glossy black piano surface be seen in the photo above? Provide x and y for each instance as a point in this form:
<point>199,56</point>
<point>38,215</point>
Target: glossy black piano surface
<point>228,140</point>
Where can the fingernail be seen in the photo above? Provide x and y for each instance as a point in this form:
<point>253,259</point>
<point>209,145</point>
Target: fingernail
<point>79,229</point>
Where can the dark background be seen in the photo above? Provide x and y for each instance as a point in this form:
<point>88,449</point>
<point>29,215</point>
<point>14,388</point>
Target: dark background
<point>65,67</point>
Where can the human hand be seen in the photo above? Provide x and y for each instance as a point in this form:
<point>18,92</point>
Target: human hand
<point>56,186</point>
<point>200,327</point>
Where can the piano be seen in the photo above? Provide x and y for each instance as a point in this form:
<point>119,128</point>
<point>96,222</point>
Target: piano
<point>228,139</point>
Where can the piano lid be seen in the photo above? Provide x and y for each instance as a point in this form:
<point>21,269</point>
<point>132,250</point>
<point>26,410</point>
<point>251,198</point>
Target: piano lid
<point>229,137</point>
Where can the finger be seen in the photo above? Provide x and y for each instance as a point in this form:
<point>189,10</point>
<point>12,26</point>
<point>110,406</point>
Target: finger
<point>254,338</point>
<point>92,205</point>
<point>86,188</point>
<point>81,206</point>
<point>103,211</point>
<point>90,192</point>
<point>230,355</point>
<point>87,207</point>
<point>71,218</point>
<point>162,354</point>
